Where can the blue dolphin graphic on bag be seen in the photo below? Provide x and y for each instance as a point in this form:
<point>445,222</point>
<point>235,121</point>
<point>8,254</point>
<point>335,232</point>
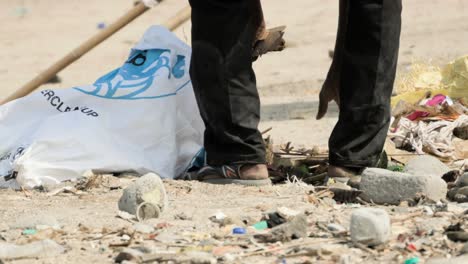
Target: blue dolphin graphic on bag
<point>136,77</point>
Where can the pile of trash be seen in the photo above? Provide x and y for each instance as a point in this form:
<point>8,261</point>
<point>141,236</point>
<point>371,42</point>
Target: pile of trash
<point>430,115</point>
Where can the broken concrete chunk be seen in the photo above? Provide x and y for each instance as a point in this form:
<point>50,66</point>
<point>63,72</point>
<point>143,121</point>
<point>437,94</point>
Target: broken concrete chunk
<point>426,165</point>
<point>387,187</point>
<point>370,226</point>
<point>148,190</point>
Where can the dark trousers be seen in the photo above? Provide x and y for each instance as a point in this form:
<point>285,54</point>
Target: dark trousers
<point>225,86</point>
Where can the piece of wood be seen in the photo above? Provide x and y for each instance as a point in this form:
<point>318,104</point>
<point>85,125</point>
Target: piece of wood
<point>84,48</point>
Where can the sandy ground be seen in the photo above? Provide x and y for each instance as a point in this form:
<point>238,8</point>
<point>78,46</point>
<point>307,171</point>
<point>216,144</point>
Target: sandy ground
<point>35,33</point>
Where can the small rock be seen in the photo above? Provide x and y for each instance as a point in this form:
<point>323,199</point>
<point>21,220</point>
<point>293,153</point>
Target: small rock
<point>336,228</point>
<point>142,228</point>
<point>426,165</point>
<point>274,219</point>
<point>129,254</point>
<point>345,195</point>
<point>452,192</point>
<point>464,249</point>
<point>148,189</point>
<point>428,210</point>
<point>463,191</point>
<point>370,226</point>
<point>218,218</point>
<point>125,237</point>
<point>287,213</point>
<point>387,187</point>
<point>459,198</point>
<point>294,229</point>
<point>457,260</point>
<point>463,180</point>
<point>182,216</point>
<point>458,236</point>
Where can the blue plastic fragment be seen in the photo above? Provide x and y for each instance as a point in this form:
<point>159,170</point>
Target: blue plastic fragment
<point>239,231</point>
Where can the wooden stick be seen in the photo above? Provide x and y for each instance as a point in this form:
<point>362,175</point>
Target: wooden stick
<point>48,74</point>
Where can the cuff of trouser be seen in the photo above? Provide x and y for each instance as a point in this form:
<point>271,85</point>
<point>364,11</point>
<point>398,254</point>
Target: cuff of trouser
<point>219,160</point>
<point>337,160</point>
<point>210,5</point>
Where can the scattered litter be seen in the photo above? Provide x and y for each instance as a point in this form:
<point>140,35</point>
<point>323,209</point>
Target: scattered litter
<point>239,231</point>
<point>219,217</point>
<point>101,25</point>
<point>413,260</point>
<point>262,225</point>
<point>29,232</point>
<point>146,197</point>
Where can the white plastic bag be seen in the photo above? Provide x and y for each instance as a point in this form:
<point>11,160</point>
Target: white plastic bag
<point>140,117</point>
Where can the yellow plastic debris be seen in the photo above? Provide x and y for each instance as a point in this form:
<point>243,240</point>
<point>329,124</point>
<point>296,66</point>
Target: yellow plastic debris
<point>455,78</point>
<point>451,80</point>
<point>415,96</point>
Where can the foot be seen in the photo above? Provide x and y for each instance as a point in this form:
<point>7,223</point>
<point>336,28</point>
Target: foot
<point>344,175</point>
<point>245,174</point>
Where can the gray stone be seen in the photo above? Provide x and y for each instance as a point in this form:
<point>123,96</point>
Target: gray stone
<point>336,228</point>
<point>388,187</point>
<point>148,189</point>
<point>463,180</point>
<point>464,250</point>
<point>370,226</point>
<point>452,192</point>
<point>142,228</point>
<point>458,260</point>
<point>463,191</point>
<point>129,254</point>
<point>425,166</point>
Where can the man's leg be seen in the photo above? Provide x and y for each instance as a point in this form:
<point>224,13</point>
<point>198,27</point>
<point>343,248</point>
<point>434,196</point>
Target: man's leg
<point>225,86</point>
<point>367,74</point>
